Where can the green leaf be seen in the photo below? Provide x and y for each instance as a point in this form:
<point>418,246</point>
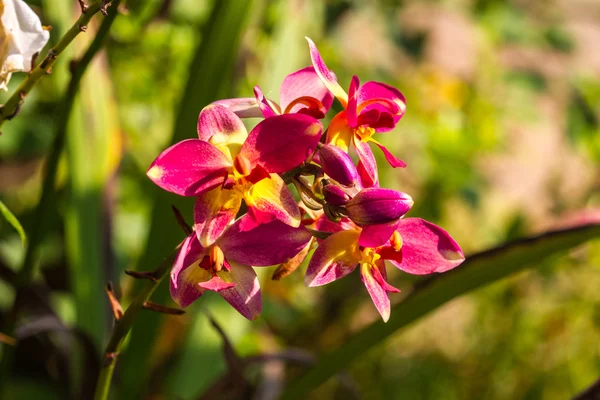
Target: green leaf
<point>10,217</point>
<point>477,271</point>
<point>209,80</point>
<point>92,160</point>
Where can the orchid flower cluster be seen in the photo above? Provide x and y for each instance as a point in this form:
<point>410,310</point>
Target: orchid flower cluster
<point>245,215</point>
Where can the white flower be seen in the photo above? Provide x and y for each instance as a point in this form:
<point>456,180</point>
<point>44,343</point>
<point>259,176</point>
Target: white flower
<point>21,36</point>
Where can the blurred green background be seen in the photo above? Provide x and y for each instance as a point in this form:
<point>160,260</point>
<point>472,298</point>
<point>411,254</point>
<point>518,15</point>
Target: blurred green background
<point>501,139</point>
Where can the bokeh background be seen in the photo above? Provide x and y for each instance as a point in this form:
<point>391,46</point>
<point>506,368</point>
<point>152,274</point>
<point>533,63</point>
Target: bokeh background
<point>502,141</point>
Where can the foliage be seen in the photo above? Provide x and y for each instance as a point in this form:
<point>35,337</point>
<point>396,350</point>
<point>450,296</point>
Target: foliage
<point>502,142</point>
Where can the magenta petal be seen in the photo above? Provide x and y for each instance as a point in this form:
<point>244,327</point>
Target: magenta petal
<point>267,244</point>
<point>186,273</point>
<point>378,294</point>
<point>367,166</point>
<point>245,107</point>
<point>324,224</point>
<point>377,235</point>
<point>213,212</point>
<point>380,276</point>
<point>391,159</point>
<point>351,110</point>
<point>191,252</point>
<point>336,257</point>
<point>245,296</point>
<point>369,118</point>
<point>327,77</point>
<point>189,168</point>
<point>427,248</point>
<point>282,142</point>
<point>218,120</point>
<point>267,107</point>
<point>304,83</point>
<point>216,284</point>
<point>270,199</point>
<point>384,98</point>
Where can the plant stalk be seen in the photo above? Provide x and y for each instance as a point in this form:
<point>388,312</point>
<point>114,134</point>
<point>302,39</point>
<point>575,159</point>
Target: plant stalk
<point>47,200</point>
<point>13,105</point>
<point>124,324</point>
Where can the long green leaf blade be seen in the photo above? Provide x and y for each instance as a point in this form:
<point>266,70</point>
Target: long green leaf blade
<point>477,271</point>
<point>209,80</point>
<point>11,219</point>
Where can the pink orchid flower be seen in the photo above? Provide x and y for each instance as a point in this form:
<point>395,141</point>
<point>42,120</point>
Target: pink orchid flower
<point>226,266</point>
<point>301,92</point>
<point>416,246</point>
<point>226,164</point>
<point>371,108</point>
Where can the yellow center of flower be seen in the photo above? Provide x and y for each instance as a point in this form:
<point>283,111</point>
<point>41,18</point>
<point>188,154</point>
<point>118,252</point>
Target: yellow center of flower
<point>241,169</point>
<point>364,133</point>
<point>368,256</point>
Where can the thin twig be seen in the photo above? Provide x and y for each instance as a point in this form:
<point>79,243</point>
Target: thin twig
<point>591,393</point>
<point>47,199</point>
<point>7,339</point>
<point>115,305</point>
<point>123,326</point>
<point>152,306</point>
<point>181,221</point>
<point>142,275</point>
<point>13,105</point>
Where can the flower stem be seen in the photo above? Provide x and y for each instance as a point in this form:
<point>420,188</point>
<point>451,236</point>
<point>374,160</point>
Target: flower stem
<point>13,104</point>
<point>124,324</point>
<point>47,200</point>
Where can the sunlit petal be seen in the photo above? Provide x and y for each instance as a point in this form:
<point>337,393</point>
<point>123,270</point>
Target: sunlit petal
<point>427,248</point>
<point>304,83</point>
<point>377,235</point>
<point>378,294</point>
<point>388,100</point>
<point>270,199</point>
<point>367,166</point>
<point>336,257</point>
<point>222,128</point>
<point>390,158</point>
<point>282,142</point>
<point>328,77</point>
<point>351,110</point>
<point>245,296</point>
<point>339,132</point>
<point>213,212</point>
<point>186,273</point>
<point>189,168</point>
<point>244,107</point>
<point>266,244</point>
<point>267,107</point>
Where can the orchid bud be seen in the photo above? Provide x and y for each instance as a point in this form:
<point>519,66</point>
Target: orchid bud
<point>338,165</point>
<point>333,194</point>
<point>373,206</point>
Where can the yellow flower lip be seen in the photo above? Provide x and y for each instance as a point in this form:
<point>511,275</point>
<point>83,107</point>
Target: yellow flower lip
<point>364,133</point>
<point>369,256</point>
